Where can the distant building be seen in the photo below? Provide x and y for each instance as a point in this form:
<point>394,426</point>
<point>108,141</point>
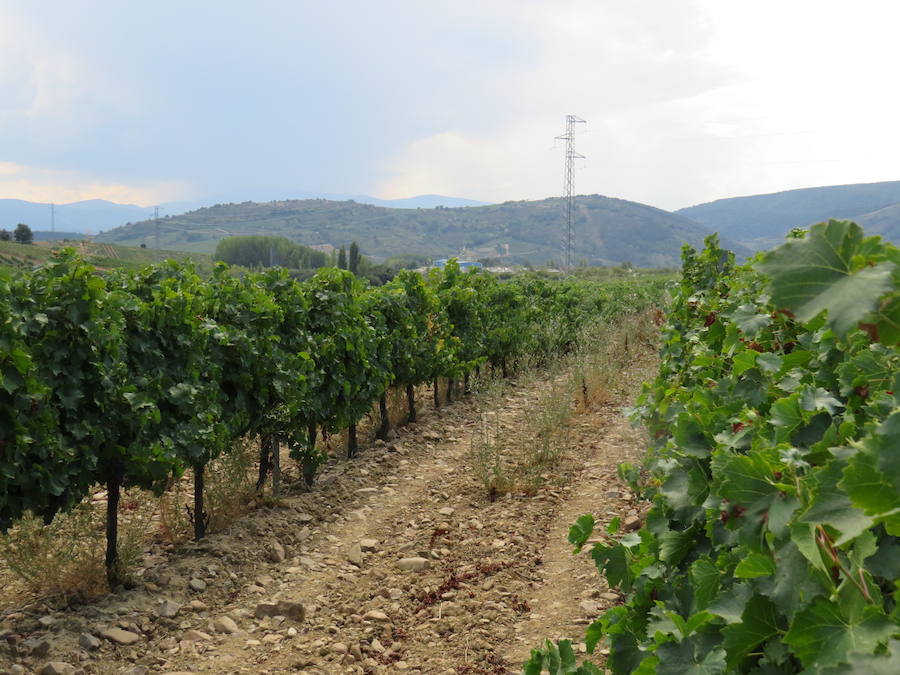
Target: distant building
<point>324,248</point>
<point>463,264</point>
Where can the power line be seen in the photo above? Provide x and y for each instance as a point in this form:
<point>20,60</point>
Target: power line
<point>569,183</point>
<point>156,218</point>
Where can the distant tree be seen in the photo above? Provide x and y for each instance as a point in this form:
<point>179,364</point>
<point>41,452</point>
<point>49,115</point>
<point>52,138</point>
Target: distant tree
<point>23,234</point>
<point>379,275</point>
<point>5,235</point>
<point>342,259</point>
<point>408,261</point>
<point>254,251</point>
<point>353,262</point>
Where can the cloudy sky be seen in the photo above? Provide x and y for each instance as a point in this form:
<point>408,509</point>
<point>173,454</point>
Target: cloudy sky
<point>686,102</point>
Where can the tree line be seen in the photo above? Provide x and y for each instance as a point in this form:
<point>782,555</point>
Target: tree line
<point>131,377</point>
<point>22,234</point>
<point>257,252</point>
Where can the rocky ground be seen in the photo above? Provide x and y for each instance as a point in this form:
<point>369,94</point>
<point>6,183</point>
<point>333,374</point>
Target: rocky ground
<point>396,561</point>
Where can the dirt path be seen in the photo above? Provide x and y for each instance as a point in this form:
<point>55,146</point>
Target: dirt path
<point>396,562</point>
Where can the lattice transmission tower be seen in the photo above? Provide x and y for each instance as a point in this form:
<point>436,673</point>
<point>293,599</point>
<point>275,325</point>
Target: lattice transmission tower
<point>569,184</point>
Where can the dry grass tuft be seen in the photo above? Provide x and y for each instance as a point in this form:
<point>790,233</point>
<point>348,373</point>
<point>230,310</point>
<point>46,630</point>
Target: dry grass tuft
<point>531,453</point>
<point>230,491</point>
<point>63,562</point>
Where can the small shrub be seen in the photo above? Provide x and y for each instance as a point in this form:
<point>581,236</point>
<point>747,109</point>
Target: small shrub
<point>547,431</point>
<point>607,350</point>
<point>487,459</point>
<point>230,485</point>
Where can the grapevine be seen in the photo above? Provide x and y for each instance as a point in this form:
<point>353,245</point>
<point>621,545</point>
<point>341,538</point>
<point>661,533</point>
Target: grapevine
<point>772,542</point>
<point>129,378</point>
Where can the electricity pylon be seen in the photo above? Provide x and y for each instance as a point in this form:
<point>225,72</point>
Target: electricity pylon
<point>569,184</point>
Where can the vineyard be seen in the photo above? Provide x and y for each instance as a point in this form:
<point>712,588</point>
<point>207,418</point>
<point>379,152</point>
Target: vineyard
<point>772,542</point>
<point>128,379</point>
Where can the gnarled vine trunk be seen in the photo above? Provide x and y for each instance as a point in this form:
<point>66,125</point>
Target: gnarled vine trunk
<point>385,417</point>
<point>113,493</point>
<point>411,402</point>
<point>352,444</point>
<point>276,465</point>
<point>199,513</point>
<point>307,465</point>
<point>265,454</point>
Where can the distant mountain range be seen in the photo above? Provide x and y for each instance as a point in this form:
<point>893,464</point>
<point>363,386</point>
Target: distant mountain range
<point>95,215</point>
<point>608,231</point>
<point>761,221</point>
<point>89,216</point>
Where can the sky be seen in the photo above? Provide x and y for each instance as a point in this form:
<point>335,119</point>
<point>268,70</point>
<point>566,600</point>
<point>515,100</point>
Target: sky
<point>217,100</point>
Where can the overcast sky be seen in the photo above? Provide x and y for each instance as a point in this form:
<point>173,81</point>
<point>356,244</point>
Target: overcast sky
<point>686,102</point>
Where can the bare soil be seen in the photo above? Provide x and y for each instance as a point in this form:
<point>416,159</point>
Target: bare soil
<point>489,580</point>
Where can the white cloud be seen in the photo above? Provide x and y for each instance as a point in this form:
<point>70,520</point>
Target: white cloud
<point>49,185</point>
<point>43,78</point>
<point>684,102</point>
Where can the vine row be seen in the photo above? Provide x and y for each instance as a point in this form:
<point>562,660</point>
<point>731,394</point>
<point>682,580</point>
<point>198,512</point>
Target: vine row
<point>130,378</point>
<point>772,542</point>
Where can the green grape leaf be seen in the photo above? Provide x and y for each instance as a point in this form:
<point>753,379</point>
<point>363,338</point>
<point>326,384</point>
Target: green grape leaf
<point>867,485</point>
<point>580,531</point>
<point>888,434</point>
<point>754,565</point>
<point>786,412</point>
<point>557,659</point>
<point>780,513</point>
<point>744,361</point>
<point>769,362</point>
<point>749,320</point>
<point>822,635</point>
<point>687,658</point>
<point>804,538</point>
<point>831,506</point>
<point>705,579</point>
<point>593,635</point>
<point>612,562</point>
<point>817,274</point>
<point>867,664</point>
<point>759,622</point>
<point>730,603</point>
<point>675,545</point>
<point>819,399</point>
<point>743,480</point>
<point>793,585</point>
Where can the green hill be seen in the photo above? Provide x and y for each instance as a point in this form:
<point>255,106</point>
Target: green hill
<point>608,231</point>
<point>761,221</point>
<point>105,256</point>
<point>885,222</point>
